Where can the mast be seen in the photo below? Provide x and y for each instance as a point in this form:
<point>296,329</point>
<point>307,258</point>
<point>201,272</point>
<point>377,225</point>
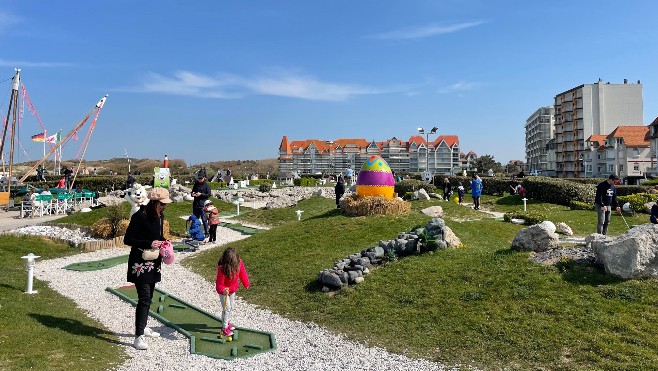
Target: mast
<point>13,101</point>
<point>99,105</point>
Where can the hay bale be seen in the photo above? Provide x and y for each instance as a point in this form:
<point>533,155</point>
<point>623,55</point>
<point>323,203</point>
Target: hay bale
<point>363,206</point>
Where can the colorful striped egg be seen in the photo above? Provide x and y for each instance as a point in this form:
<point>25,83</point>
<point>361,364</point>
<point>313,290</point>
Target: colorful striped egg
<point>375,179</point>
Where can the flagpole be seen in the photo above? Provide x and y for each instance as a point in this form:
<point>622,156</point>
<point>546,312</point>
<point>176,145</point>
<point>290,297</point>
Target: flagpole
<point>45,135</point>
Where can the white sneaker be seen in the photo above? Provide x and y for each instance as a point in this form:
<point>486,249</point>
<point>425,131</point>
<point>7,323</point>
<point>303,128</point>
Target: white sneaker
<point>150,333</point>
<point>140,343</point>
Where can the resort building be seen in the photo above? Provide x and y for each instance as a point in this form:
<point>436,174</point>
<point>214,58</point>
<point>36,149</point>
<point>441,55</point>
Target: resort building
<point>652,138</point>
<point>314,156</point>
<point>625,152</point>
<point>591,109</point>
<point>538,131</point>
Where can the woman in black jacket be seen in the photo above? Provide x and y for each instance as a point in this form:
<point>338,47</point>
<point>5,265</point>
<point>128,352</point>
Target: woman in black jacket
<point>340,189</point>
<point>145,232</point>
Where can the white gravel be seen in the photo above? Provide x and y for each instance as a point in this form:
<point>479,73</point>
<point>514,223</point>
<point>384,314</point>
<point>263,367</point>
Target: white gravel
<point>300,346</point>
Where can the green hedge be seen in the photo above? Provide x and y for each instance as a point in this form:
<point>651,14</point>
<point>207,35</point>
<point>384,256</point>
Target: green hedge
<point>411,185</point>
<point>530,218</point>
<point>558,191</point>
<point>577,205</point>
<point>638,201</point>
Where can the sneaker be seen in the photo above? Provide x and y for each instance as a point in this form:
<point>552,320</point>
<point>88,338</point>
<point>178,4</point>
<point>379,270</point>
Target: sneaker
<point>227,332</point>
<point>230,326</point>
<point>140,343</point>
<point>150,333</point>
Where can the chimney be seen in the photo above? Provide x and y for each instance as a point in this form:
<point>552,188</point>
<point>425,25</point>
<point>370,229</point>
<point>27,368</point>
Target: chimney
<point>638,81</point>
<point>625,81</point>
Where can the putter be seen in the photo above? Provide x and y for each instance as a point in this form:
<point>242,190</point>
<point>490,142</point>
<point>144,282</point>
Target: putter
<point>624,219</point>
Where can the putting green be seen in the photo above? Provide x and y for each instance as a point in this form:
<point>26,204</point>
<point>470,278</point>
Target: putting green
<point>109,262</point>
<point>201,327</point>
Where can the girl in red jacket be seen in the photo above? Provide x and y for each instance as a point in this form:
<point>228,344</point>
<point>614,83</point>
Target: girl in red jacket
<point>230,268</point>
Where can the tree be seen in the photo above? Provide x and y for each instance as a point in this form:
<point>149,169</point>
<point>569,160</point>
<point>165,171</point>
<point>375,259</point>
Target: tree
<point>486,162</point>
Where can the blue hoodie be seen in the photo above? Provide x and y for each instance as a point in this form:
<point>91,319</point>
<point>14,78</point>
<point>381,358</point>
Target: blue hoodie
<point>196,232</point>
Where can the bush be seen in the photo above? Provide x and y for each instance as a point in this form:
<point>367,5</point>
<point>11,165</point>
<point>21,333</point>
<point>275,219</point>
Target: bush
<point>626,190</point>
<point>577,205</point>
<point>530,218</point>
<point>558,191</point>
<point>638,201</point>
<point>412,185</point>
<point>265,186</point>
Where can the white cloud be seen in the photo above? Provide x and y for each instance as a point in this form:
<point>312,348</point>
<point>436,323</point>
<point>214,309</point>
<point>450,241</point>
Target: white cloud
<point>459,86</point>
<point>229,86</point>
<point>425,31</point>
<point>23,64</point>
<point>7,21</point>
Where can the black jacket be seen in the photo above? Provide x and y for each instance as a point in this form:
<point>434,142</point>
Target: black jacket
<point>606,194</point>
<point>202,188</point>
<point>141,231</point>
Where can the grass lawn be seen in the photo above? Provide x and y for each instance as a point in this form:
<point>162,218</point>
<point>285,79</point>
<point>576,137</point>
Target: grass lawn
<point>483,304</point>
<point>46,331</point>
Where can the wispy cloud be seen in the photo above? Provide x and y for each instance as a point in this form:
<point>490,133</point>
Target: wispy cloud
<point>22,64</point>
<point>425,31</point>
<point>459,86</point>
<point>228,86</point>
<point>7,21</point>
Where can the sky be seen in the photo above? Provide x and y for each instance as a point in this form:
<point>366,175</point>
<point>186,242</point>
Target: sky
<point>226,80</point>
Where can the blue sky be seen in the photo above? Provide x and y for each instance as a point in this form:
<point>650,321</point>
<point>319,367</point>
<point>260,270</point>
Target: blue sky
<point>219,80</point>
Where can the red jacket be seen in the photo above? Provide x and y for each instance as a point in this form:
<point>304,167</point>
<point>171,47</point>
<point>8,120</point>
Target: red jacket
<point>222,282</point>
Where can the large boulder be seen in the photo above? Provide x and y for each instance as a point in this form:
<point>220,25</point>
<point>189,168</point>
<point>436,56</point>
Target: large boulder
<point>631,255</point>
<point>420,194</point>
<point>433,211</point>
<point>564,229</point>
<point>536,238</point>
<point>451,239</point>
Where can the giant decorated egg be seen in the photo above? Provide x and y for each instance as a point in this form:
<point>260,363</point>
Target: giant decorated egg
<point>375,179</point>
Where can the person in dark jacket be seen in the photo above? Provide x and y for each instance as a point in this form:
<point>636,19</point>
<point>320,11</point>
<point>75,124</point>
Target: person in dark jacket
<point>606,197</point>
<point>653,217</point>
<point>340,189</point>
<point>130,181</point>
<point>447,189</point>
<point>145,232</point>
<point>195,231</point>
<point>200,192</point>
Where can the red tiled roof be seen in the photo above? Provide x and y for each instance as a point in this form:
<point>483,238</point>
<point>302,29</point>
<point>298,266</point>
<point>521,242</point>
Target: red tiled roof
<point>599,139</point>
<point>634,136</point>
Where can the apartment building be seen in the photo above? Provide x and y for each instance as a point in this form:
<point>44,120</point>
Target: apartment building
<point>314,156</point>
<point>539,129</point>
<point>652,138</point>
<point>591,109</point>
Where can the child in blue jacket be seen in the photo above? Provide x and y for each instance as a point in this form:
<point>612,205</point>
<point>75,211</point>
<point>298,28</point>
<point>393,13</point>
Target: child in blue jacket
<point>195,231</point>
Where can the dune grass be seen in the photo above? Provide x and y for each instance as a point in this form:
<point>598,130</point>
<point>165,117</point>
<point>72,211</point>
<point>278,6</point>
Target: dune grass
<point>482,305</point>
<point>46,331</point>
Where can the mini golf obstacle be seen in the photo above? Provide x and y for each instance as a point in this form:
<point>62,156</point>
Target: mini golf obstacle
<point>109,262</point>
<point>202,328</point>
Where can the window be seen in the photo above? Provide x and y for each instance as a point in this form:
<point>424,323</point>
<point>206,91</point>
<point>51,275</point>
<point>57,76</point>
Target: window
<point>621,168</point>
<point>611,168</point>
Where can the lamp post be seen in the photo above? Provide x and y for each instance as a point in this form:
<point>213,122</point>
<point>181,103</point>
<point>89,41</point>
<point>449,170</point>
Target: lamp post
<point>422,131</point>
<point>127,158</point>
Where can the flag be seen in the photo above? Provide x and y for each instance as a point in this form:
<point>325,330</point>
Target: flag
<point>38,138</point>
<point>53,138</point>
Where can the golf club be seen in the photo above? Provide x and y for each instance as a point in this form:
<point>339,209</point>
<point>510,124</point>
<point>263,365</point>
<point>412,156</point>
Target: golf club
<point>622,216</point>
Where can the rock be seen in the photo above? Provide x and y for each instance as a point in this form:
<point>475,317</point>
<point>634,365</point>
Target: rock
<point>359,280</point>
<point>548,225</point>
<point>564,229</point>
<point>435,224</point>
<point>379,251</point>
<point>85,210</point>
<point>433,211</point>
<point>535,238</point>
<point>631,255</point>
<point>450,238</point>
<point>188,197</point>
<point>331,279</point>
<point>648,206</point>
<point>110,200</point>
<point>420,194</point>
<point>351,276</point>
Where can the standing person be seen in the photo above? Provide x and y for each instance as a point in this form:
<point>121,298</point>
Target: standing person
<point>339,189</point>
<point>447,189</point>
<point>606,197</point>
<point>200,192</point>
<point>230,269</point>
<point>476,191</point>
<point>460,193</point>
<point>94,172</point>
<point>653,217</point>
<point>212,214</point>
<point>67,176</point>
<point>144,233</point>
<point>130,181</point>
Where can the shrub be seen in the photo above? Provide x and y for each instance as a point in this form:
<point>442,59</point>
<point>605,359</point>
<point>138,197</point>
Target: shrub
<point>265,186</point>
<point>577,205</point>
<point>558,191</point>
<point>530,218</point>
<point>412,185</point>
<point>638,201</point>
<point>626,190</point>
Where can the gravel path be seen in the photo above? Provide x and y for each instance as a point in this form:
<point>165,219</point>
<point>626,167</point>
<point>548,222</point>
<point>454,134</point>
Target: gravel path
<point>300,346</point>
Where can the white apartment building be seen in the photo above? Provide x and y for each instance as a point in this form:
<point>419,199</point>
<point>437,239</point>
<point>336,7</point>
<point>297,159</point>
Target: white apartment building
<point>538,131</point>
<point>591,109</point>
<point>652,137</point>
<point>624,152</point>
